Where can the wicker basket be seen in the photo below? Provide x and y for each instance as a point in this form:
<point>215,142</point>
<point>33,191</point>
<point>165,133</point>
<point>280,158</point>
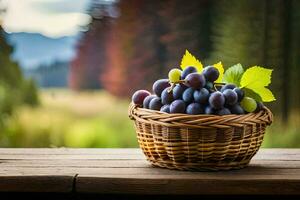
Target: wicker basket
<point>199,142</point>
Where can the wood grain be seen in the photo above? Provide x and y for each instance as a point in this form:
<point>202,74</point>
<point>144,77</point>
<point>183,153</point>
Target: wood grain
<point>125,171</point>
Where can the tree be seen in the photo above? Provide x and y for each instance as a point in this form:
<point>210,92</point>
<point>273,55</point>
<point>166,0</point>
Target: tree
<point>260,33</point>
<point>188,26</point>
<point>135,54</point>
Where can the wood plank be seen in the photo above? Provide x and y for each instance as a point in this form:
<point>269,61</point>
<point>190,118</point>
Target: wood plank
<point>125,171</point>
<point>69,151</point>
<point>72,157</point>
<point>252,172</point>
<point>111,151</point>
<point>34,183</point>
<point>187,186</point>
<point>139,163</point>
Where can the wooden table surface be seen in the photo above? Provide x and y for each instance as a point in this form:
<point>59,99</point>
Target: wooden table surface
<point>125,171</point>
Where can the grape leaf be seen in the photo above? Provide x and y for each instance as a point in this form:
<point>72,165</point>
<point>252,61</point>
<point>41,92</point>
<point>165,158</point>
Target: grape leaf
<point>189,60</point>
<point>257,78</point>
<point>265,94</point>
<point>234,74</point>
<point>220,68</point>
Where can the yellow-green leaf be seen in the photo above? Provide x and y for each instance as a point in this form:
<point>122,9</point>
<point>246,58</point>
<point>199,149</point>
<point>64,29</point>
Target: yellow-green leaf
<point>220,68</point>
<point>265,94</point>
<point>189,60</point>
<point>257,78</point>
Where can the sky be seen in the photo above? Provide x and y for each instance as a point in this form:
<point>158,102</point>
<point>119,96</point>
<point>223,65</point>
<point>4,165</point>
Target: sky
<point>44,31</point>
<point>52,18</point>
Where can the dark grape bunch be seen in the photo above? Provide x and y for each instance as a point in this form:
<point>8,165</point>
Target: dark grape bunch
<point>194,93</point>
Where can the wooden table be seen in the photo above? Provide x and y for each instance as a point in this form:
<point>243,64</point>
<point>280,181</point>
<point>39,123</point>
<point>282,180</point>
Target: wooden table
<point>126,172</point>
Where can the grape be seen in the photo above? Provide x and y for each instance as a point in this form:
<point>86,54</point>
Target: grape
<point>240,93</point>
<point>159,86</point>
<point>178,91</point>
<point>139,96</point>
<point>260,106</point>
<point>187,95</point>
<point>188,71</point>
<point>237,109</point>
<point>248,104</point>
<point>209,85</point>
<point>147,100</point>
<point>177,106</point>
<point>209,110</point>
<point>211,73</point>
<point>165,108</point>
<point>166,96</point>
<point>231,97</point>
<point>194,109</point>
<point>174,75</point>
<point>201,96</point>
<point>228,86</point>
<point>224,111</point>
<point>195,80</point>
<point>216,100</point>
<point>155,103</point>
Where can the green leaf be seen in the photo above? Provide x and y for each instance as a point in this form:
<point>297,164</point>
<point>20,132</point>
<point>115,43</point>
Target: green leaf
<point>256,79</point>
<point>234,74</point>
<point>252,94</point>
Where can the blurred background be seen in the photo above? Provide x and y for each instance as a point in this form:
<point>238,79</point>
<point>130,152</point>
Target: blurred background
<point>68,68</point>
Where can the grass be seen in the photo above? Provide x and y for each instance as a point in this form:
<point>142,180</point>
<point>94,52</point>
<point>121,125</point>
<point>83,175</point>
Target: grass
<point>97,119</point>
<point>72,119</point>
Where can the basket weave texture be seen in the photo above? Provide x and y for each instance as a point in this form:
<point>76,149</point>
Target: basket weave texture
<point>199,142</point>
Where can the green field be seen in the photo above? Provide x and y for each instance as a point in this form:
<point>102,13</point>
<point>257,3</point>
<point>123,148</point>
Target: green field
<point>96,119</point>
<point>66,118</point>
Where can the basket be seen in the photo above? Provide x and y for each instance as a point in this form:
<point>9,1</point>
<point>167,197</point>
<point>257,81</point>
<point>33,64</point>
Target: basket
<point>199,142</point>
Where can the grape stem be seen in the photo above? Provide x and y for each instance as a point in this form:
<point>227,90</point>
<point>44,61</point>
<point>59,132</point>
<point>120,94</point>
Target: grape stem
<point>218,84</point>
<point>173,84</point>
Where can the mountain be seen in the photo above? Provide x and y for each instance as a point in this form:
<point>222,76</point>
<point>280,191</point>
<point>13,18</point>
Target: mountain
<point>32,49</point>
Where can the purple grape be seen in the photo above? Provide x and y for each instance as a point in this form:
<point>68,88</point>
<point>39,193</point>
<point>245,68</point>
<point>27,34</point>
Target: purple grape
<point>228,86</point>
<point>223,111</point>
<point>195,80</point>
<point>216,100</point>
<point>231,97</point>
<point>166,96</point>
<point>188,71</point>
<point>211,73</point>
<point>259,107</point>
<point>209,110</point>
<point>209,85</point>
<point>155,103</point>
<point>147,100</point>
<point>177,106</point>
<point>165,108</point>
<point>187,95</point>
<point>178,91</point>
<point>201,96</point>
<point>194,109</point>
<point>139,96</point>
<point>237,109</point>
<point>160,85</point>
<point>240,93</point>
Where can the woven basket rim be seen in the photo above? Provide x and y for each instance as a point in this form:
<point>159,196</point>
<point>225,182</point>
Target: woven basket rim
<point>199,121</point>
